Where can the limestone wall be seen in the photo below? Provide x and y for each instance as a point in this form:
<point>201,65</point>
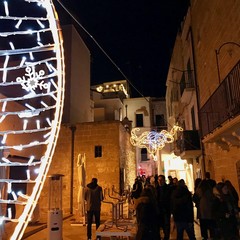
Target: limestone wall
<point>116,152</point>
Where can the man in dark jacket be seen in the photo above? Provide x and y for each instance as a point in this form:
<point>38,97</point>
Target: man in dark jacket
<point>147,215</point>
<point>182,210</point>
<point>93,196</point>
<point>163,199</point>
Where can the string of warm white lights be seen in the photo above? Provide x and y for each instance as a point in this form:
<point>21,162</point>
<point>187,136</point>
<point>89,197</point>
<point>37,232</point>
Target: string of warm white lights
<point>152,140</point>
<point>31,100</point>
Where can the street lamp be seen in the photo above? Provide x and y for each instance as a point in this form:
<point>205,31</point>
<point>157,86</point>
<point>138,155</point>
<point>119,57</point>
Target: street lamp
<point>217,52</point>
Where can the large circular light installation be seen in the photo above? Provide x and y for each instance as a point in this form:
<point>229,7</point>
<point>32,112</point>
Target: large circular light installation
<point>31,104</point>
<point>152,140</point>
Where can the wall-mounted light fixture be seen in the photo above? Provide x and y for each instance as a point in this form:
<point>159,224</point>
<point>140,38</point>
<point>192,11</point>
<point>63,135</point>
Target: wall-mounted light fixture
<point>217,52</point>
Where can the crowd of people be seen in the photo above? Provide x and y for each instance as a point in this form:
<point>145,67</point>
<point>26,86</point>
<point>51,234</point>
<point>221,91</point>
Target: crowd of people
<point>156,201</point>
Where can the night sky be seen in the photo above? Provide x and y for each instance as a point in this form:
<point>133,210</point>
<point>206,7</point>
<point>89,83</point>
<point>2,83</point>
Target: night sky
<point>137,35</point>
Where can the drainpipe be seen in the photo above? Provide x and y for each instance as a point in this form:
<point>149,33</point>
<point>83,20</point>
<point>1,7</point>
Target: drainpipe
<point>198,103</point>
<point>73,129</point>
<point>119,114</point>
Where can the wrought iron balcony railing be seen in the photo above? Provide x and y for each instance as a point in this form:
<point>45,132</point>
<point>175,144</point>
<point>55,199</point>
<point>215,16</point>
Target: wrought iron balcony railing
<point>188,141</point>
<point>223,104</point>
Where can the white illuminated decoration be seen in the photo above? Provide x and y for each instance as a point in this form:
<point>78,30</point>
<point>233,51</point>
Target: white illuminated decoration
<point>153,141</point>
<point>31,104</point>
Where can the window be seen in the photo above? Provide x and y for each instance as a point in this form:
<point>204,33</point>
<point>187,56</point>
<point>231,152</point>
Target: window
<point>182,83</point>
<point>139,120</point>
<point>190,75</point>
<point>159,119</point>
<point>98,151</point>
<point>144,154</point>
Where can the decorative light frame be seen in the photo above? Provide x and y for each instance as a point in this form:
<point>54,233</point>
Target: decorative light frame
<point>152,140</point>
<point>44,78</point>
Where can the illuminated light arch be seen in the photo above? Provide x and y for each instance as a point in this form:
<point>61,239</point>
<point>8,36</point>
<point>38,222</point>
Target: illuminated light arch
<point>152,140</point>
<point>31,101</point>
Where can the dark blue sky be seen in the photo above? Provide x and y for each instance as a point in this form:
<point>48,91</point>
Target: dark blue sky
<point>137,35</point>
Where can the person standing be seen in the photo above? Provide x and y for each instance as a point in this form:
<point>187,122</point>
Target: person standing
<point>209,180</point>
<point>163,199</point>
<point>205,196</point>
<point>137,188</point>
<point>195,196</point>
<point>170,180</point>
<point>225,211</point>
<point>182,210</point>
<point>93,197</point>
<point>232,192</point>
<point>147,215</point>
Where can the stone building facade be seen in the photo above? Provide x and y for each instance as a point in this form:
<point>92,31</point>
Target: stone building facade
<point>115,166</point>
<point>212,34</point>
<point>182,105</point>
<point>215,29</point>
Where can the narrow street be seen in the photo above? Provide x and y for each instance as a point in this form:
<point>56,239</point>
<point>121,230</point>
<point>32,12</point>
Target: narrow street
<point>71,232</point>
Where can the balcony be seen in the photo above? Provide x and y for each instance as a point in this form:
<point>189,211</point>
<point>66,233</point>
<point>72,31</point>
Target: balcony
<point>224,103</point>
<point>188,144</point>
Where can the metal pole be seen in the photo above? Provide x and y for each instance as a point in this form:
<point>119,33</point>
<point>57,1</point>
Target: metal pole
<point>218,70</point>
<point>73,129</point>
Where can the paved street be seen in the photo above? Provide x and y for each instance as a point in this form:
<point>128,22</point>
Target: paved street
<point>71,232</point>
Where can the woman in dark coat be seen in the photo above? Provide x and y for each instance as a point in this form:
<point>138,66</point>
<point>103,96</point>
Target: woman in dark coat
<point>196,199</point>
<point>232,191</point>
<point>225,211</point>
<point>147,216</point>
